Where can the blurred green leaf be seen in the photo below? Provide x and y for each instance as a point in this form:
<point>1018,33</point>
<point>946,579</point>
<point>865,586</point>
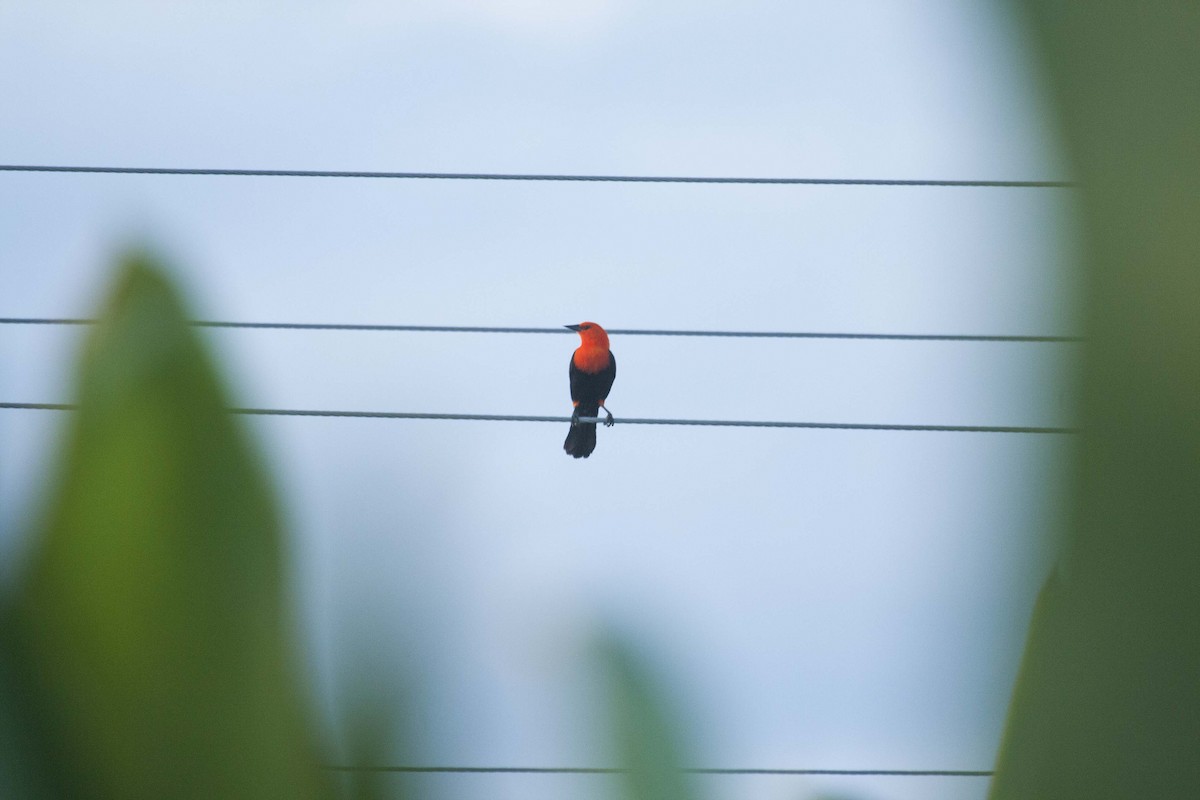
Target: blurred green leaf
<point>150,627</point>
<point>16,770</point>
<point>372,730</point>
<point>647,737</point>
<point>1107,704</point>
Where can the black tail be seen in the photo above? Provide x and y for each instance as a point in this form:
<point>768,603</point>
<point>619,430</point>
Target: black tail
<point>581,439</point>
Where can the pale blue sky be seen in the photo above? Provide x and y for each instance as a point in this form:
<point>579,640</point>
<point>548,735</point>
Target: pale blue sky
<point>820,598</point>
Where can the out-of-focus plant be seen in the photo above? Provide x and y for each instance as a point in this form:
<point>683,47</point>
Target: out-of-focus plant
<point>645,732</point>
<point>147,649</point>
<point>1107,704</point>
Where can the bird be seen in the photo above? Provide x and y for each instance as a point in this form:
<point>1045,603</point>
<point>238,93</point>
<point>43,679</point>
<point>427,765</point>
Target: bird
<point>592,370</point>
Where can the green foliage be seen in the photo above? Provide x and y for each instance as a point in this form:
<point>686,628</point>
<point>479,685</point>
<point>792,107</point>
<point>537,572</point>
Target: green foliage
<point>146,651</point>
<point>646,734</point>
<point>17,772</point>
<point>149,650</point>
<point>1108,699</point>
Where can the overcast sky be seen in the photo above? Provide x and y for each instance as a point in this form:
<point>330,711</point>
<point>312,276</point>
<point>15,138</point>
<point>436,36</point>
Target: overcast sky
<point>829,599</point>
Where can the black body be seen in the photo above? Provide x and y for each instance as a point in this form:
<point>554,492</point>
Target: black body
<point>588,390</point>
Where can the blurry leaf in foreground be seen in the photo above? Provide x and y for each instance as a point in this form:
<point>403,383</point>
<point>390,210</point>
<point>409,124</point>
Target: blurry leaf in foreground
<point>150,625</point>
<point>371,726</point>
<point>1107,704</point>
<point>16,772</point>
<point>647,738</point>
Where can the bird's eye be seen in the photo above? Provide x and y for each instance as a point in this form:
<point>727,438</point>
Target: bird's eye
<point>586,328</point>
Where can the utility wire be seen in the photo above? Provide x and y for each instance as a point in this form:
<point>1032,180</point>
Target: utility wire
<point>634,421</point>
<point>319,326</point>
<point>942,773</point>
<point>853,426</point>
<point>481,176</point>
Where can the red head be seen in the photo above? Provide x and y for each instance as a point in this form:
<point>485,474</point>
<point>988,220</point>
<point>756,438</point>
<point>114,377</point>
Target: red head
<point>593,336</point>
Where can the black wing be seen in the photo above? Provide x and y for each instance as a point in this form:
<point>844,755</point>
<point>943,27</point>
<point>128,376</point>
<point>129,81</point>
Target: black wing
<point>592,387</point>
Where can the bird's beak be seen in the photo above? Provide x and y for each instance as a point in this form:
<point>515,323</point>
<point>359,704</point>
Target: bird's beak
<point>572,328</point>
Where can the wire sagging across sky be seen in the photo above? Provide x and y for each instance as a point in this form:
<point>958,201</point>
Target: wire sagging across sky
<point>486,176</point>
<point>322,326</point>
<point>896,773</point>
<point>711,423</point>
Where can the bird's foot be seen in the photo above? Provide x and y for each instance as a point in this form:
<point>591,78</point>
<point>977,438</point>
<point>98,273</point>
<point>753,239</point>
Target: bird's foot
<point>609,422</point>
<point>575,417</point>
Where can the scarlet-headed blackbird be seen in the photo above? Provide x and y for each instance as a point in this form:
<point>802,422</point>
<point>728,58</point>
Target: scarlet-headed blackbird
<point>593,368</point>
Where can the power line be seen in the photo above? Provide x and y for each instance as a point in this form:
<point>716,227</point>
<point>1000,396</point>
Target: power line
<point>908,773</point>
<point>321,326</point>
<point>481,176</point>
<point>853,426</point>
